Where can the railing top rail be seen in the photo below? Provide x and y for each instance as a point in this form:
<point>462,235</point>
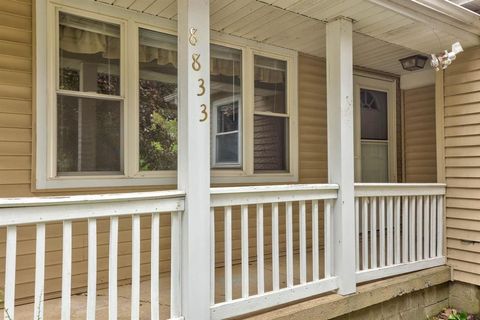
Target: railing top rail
<point>231,196</point>
<point>398,189</point>
<point>87,199</point>
<point>19,211</point>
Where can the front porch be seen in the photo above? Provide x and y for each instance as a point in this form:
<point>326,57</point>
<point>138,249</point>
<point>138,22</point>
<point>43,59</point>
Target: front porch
<point>270,246</point>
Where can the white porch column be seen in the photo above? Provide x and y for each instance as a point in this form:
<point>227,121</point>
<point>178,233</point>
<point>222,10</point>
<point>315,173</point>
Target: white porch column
<point>340,148</point>
<point>194,154</point>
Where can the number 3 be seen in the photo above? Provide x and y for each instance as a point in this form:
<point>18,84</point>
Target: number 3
<point>201,85</point>
<point>204,112</point>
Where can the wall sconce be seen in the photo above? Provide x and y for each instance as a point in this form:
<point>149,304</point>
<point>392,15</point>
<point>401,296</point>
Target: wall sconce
<point>413,63</point>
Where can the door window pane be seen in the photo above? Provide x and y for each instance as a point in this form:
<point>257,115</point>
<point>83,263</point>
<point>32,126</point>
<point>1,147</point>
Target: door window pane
<point>88,135</point>
<point>373,106</point>
<point>226,102</point>
<point>374,162</point>
<point>157,101</point>
<point>89,55</point>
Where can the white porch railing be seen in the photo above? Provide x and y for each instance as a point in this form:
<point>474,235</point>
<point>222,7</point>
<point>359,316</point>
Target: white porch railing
<point>287,201</point>
<point>399,228</point>
<point>40,211</point>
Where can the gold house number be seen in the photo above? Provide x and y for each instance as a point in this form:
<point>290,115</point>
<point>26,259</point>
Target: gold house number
<point>196,66</point>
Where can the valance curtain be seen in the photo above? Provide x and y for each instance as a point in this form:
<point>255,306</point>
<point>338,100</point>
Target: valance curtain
<point>81,41</point>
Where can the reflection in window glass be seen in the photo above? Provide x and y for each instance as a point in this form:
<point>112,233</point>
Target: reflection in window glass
<point>158,101</point>
<point>88,135</point>
<point>373,106</point>
<point>270,120</point>
<point>89,55</point>
<point>225,98</point>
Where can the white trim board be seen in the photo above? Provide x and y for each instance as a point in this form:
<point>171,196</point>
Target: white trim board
<point>417,79</point>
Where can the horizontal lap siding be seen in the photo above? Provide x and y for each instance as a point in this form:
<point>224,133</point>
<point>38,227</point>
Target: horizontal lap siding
<point>462,162</point>
<point>15,97</point>
<point>420,145</point>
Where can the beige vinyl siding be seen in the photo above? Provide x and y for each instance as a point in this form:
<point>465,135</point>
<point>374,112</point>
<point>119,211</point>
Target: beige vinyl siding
<point>420,145</point>
<point>462,165</point>
<point>15,97</point>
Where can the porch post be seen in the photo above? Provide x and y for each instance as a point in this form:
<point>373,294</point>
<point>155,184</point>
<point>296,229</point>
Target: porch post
<point>340,148</point>
<point>194,155</point>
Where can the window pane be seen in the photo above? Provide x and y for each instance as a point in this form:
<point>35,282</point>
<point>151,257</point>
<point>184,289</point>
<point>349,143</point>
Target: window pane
<point>374,162</point>
<point>227,148</point>
<point>270,85</point>
<point>374,114</point>
<point>225,99</point>
<point>270,147</point>
<point>89,55</point>
<point>158,101</point>
<point>88,135</point>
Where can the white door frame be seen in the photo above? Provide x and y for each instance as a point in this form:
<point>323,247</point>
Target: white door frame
<point>390,87</point>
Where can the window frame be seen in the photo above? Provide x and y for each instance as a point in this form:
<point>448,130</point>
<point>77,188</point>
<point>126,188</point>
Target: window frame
<point>130,23</point>
<point>388,86</point>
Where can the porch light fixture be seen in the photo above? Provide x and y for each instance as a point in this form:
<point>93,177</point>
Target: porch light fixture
<point>413,63</point>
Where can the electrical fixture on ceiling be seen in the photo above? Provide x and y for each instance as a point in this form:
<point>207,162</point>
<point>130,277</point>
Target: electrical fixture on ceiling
<point>413,63</point>
<point>443,60</point>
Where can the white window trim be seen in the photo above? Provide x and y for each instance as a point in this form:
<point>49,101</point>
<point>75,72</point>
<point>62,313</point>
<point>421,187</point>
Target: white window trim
<point>390,87</point>
<point>130,22</point>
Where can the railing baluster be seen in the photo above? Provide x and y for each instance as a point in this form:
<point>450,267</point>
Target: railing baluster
<point>212,255</point>
<point>433,224</point>
<point>275,248</point>
<point>228,253</point>
<point>440,226</point>
<point>175,258</point>
<point>39,272</point>
<point>92,268</point>
<point>244,240</point>
<point>289,243</point>
<point>135,303</point>
<point>405,229</point>
<point>10,269</point>
<point>303,241</point>
<point>357,234</point>
<point>155,267</point>
<point>260,247</point>
<point>426,228</point>
<point>327,213</point>
<point>419,227</point>
<point>381,220</point>
<point>373,231</point>
<point>66,269</point>
<point>365,233</point>
<point>112,269</point>
<point>389,231</point>
<point>398,245</point>
<point>411,232</point>
<point>315,264</point>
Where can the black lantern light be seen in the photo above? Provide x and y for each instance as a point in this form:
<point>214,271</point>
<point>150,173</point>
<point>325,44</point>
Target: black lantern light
<point>413,63</point>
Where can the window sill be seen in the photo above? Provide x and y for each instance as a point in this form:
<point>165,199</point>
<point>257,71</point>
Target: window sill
<point>218,177</point>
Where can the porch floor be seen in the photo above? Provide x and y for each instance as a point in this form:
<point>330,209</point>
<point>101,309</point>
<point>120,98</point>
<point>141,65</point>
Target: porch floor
<point>52,307</point>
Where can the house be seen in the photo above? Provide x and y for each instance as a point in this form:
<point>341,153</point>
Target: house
<point>195,159</point>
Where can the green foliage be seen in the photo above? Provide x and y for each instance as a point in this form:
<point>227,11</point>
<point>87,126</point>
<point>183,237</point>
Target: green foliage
<point>455,315</point>
<point>158,126</point>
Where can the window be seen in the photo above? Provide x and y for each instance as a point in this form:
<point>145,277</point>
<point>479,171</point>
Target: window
<point>107,103</point>
<point>271,118</point>
<point>226,102</point>
<point>375,133</point>
<point>89,100</point>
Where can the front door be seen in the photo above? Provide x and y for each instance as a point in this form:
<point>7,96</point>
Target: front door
<point>375,143</point>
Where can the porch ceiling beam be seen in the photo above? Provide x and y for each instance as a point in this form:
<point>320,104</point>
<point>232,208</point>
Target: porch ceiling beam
<point>436,19</point>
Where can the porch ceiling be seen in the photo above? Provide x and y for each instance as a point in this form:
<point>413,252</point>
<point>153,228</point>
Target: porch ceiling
<point>384,30</point>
